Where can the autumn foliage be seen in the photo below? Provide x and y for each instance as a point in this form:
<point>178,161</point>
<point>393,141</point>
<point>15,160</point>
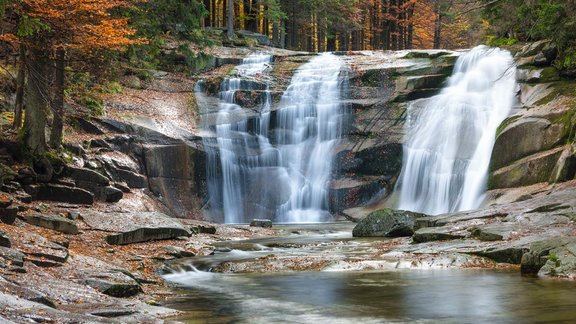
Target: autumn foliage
<point>79,24</point>
<point>48,32</point>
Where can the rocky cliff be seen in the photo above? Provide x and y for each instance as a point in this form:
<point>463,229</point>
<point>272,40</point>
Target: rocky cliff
<point>536,144</point>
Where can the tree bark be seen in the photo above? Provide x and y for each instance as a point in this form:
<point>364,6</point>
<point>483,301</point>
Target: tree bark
<point>437,25</point>
<point>36,103</point>
<point>20,84</point>
<point>58,103</point>
<point>230,33</point>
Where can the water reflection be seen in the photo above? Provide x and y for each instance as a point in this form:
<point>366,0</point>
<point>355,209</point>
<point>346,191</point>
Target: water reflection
<point>462,296</point>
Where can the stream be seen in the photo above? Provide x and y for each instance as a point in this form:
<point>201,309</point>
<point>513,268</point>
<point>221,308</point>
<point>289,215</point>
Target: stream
<point>368,296</point>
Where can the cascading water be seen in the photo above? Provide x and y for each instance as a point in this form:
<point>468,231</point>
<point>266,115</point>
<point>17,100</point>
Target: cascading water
<point>311,115</point>
<point>280,173</point>
<point>450,140</point>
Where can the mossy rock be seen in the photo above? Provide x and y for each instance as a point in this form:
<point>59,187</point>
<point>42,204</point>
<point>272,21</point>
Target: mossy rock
<point>387,223</point>
<point>425,54</point>
<point>6,174</point>
<point>530,170</point>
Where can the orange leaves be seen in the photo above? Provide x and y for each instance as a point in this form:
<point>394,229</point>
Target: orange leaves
<point>79,24</point>
<point>112,33</point>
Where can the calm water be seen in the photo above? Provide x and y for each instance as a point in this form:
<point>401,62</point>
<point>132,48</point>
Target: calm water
<point>404,296</point>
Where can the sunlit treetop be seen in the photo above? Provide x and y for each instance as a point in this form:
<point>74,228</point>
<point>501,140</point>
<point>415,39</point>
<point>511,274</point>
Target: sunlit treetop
<point>79,24</point>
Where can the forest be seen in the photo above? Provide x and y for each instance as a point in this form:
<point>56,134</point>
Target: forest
<point>48,45</point>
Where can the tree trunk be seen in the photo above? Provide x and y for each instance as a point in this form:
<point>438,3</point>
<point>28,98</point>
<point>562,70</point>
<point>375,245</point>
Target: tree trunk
<point>20,84</point>
<point>282,34</point>
<point>58,103</point>
<point>230,33</point>
<point>36,103</point>
<point>437,25</point>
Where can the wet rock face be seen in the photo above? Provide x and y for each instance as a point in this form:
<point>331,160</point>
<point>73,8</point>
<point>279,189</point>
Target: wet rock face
<point>371,153</point>
<point>387,223</point>
<point>177,173</point>
<point>369,156</point>
<point>535,144</point>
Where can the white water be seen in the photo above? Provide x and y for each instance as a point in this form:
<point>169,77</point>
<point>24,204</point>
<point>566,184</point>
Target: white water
<point>310,114</point>
<point>282,174</point>
<point>450,140</point>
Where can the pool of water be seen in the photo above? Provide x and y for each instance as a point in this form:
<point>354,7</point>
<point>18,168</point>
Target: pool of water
<point>406,296</point>
<point>390,296</point>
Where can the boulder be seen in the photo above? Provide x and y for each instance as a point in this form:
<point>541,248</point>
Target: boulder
<point>527,171</point>
<point>387,223</point>
<point>5,240</point>
<point>132,179</point>
<point>14,257</point>
<point>260,38</point>
<point>177,251</point>
<point>135,227</point>
<point>261,223</point>
<point>111,194</point>
<point>87,126</point>
<point>8,215</point>
<point>5,200</point>
<point>537,256</point>
<point>55,192</point>
<point>101,192</point>
<point>523,137</point>
<point>57,223</point>
<point>203,229</point>
<point>113,284</point>
<point>87,175</point>
<point>506,253</point>
<point>561,261</point>
<point>496,231</point>
<point>75,148</point>
<point>99,143</point>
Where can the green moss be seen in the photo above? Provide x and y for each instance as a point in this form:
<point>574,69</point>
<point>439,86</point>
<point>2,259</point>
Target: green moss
<point>6,174</point>
<point>554,258</point>
<point>112,87</point>
<point>505,124</point>
<point>496,41</point>
<point>550,74</point>
<point>568,122</point>
<point>372,78</point>
<point>561,88</point>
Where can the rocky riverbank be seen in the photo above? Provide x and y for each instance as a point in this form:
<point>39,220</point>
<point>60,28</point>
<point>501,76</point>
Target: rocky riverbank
<point>70,263</point>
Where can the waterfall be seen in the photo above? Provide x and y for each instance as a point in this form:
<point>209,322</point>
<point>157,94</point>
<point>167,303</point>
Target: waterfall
<point>279,172</point>
<point>311,116</point>
<point>450,139</point>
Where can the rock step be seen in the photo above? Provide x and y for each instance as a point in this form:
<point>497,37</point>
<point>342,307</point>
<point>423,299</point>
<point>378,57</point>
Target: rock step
<point>57,223</point>
<point>135,227</point>
<point>61,193</point>
<point>429,234</point>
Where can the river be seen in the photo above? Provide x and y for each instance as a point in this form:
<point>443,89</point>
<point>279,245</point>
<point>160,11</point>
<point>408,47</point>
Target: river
<point>386,296</point>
